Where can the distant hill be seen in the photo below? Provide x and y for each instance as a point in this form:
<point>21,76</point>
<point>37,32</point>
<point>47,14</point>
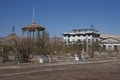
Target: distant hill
<point>110,36</point>
<point>1,38</point>
<point>55,40</point>
<point>8,40</point>
<point>11,36</point>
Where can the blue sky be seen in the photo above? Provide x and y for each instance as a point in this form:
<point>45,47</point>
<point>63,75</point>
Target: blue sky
<point>59,16</point>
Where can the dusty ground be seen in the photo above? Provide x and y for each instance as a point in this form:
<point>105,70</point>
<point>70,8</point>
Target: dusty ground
<point>88,71</point>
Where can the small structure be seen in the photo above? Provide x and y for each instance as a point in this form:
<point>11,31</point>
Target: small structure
<point>10,40</point>
<point>31,29</point>
<point>110,44</point>
<point>7,46</point>
<point>33,34</point>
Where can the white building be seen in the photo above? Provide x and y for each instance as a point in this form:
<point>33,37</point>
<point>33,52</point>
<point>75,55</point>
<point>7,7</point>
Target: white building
<point>88,35</point>
<point>108,42</point>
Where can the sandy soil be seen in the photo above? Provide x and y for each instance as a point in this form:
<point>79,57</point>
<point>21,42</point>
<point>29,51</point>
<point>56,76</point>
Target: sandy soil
<point>92,71</point>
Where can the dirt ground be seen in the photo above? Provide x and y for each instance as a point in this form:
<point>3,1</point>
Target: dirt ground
<point>91,71</point>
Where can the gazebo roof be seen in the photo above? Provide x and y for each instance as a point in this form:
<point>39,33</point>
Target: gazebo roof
<point>33,27</point>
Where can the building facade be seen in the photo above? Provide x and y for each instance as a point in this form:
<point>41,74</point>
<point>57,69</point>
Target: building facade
<point>81,35</point>
<point>110,44</point>
<point>91,36</point>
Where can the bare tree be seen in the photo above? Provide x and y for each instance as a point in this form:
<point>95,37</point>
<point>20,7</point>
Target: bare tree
<point>28,47</point>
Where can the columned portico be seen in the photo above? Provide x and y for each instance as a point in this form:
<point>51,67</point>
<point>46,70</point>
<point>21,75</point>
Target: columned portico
<point>110,44</point>
<point>32,31</point>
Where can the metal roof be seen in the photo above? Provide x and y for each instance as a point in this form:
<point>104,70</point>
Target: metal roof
<point>33,27</point>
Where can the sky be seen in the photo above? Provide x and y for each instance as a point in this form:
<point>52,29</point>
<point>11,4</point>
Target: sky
<point>59,16</point>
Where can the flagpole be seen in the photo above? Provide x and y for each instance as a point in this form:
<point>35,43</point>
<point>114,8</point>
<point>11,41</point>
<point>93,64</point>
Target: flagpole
<point>33,13</point>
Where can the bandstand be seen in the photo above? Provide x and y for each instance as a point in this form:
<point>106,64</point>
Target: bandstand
<point>33,31</point>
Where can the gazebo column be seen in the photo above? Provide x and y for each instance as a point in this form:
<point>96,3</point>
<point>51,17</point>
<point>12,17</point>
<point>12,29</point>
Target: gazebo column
<point>23,33</point>
<point>38,35</point>
<point>43,35</point>
<point>33,35</point>
<point>29,34</point>
<point>37,38</point>
<point>43,38</point>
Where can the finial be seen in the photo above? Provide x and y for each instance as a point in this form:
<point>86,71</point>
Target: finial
<point>91,26</point>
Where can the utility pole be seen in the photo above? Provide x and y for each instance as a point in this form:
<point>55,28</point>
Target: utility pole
<point>13,31</point>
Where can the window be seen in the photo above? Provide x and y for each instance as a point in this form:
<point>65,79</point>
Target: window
<point>88,40</point>
<point>78,41</point>
<point>96,40</point>
<point>73,35</point>
<point>115,48</point>
<point>88,34</point>
<point>84,35</point>
<point>104,47</point>
<point>73,40</point>
<point>68,41</point>
<point>78,35</point>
